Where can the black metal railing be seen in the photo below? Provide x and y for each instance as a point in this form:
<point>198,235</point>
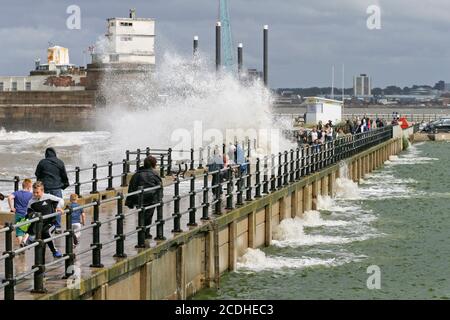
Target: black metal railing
<point>210,193</point>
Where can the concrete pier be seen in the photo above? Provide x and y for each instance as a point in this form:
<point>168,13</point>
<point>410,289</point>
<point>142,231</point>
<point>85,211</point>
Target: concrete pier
<point>192,260</point>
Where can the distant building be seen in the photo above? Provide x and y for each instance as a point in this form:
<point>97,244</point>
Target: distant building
<point>55,75</point>
<point>321,109</point>
<point>440,85</point>
<point>362,86</point>
<point>130,40</point>
<point>287,97</point>
<point>447,87</point>
<point>422,91</point>
<point>129,51</point>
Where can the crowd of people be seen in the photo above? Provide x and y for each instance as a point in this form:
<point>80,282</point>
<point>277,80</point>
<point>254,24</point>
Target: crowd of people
<point>323,133</point>
<point>44,197</point>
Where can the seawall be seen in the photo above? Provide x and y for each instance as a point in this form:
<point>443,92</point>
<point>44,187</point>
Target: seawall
<point>48,110</point>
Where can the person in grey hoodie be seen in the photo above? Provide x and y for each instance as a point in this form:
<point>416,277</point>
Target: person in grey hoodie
<point>52,172</point>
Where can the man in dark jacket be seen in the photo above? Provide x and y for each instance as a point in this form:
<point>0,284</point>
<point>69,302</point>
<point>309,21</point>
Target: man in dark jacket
<point>52,172</point>
<point>145,177</point>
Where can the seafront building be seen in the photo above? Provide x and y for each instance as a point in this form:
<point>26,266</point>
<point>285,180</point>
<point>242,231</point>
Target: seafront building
<point>74,93</point>
<point>58,74</point>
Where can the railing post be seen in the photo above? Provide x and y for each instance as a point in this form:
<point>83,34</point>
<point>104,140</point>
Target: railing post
<point>138,159</point>
<point>110,176</point>
<point>280,173</point>
<point>258,179</point>
<point>141,220</point>
<point>160,216</point>
<point>309,160</point>
<point>120,243</point>
<point>272,174</point>
<point>297,164</point>
<point>9,263</point>
<point>249,148</point>
<point>249,182</point>
<point>205,209</point>
<point>127,158</point>
<point>229,188</point>
<point>200,158</point>
<point>239,196</point>
<point>192,160</point>
<point>77,181</point>
<point>291,167</point>
<point>69,245</point>
<point>161,166</point>
<point>169,161</point>
<point>147,151</point>
<point>16,183</point>
<point>97,251</point>
<point>217,197</point>
<point>39,258</point>
<point>94,179</point>
<point>302,162</point>
<point>286,169</point>
<point>124,173</point>
<point>192,208</point>
<point>176,207</point>
<point>265,177</point>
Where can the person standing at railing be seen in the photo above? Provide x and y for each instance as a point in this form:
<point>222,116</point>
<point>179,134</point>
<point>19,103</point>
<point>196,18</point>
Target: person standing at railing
<point>240,158</point>
<point>18,203</point>
<point>215,162</point>
<point>146,177</point>
<point>328,132</point>
<point>231,153</point>
<point>314,135</point>
<point>52,172</point>
<point>45,204</point>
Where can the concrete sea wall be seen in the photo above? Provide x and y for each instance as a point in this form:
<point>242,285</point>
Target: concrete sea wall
<point>47,110</point>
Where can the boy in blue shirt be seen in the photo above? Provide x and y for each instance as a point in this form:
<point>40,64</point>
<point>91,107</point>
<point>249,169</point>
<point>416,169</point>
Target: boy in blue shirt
<point>18,203</point>
<point>78,218</point>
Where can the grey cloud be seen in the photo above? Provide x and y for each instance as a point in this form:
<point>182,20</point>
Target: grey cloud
<point>306,37</point>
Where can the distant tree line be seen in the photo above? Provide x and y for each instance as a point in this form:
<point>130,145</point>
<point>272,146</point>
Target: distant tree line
<point>316,91</point>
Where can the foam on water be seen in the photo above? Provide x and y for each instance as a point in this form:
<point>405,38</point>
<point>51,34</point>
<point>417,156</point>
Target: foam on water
<point>21,142</point>
<point>291,233</point>
<point>256,260</point>
<point>312,218</point>
<point>325,203</point>
<point>347,189</point>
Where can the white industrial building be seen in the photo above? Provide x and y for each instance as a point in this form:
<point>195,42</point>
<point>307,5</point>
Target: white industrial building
<point>130,40</point>
<point>362,86</point>
<point>321,109</point>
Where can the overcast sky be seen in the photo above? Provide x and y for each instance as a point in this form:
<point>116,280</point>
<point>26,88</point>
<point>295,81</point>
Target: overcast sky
<point>307,37</point>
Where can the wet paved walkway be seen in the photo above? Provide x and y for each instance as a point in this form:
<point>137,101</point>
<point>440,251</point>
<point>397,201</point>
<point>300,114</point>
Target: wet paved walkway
<point>53,277</point>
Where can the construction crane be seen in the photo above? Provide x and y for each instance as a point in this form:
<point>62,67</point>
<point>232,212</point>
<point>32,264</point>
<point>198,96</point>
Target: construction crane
<point>227,41</point>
